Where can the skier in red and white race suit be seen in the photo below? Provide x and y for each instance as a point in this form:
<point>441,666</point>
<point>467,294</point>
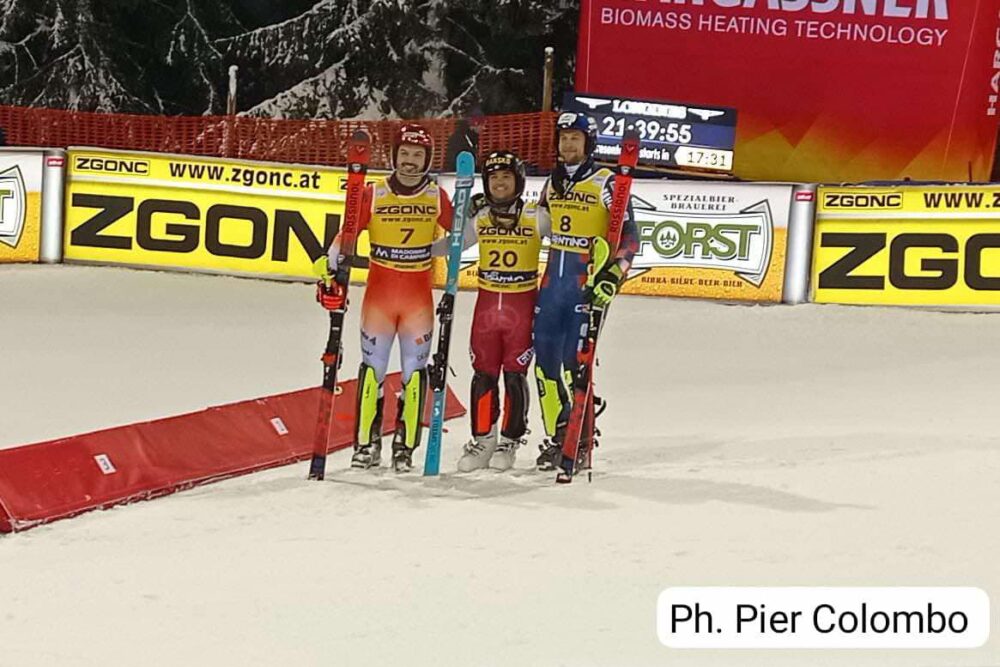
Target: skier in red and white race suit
<point>401,213</point>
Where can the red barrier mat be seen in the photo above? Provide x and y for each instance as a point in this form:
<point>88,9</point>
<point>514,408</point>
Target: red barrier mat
<point>62,478</point>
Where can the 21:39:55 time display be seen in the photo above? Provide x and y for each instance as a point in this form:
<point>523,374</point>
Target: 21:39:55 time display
<point>649,130</point>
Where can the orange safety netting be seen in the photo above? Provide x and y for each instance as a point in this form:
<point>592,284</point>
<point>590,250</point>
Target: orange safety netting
<point>323,142</point>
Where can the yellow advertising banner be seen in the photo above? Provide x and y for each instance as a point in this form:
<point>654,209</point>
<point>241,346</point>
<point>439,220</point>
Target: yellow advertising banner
<point>907,245</point>
<point>204,214</point>
<point>707,240</point>
<point>20,205</point>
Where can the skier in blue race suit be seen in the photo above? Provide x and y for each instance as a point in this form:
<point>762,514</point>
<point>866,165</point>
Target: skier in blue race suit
<point>575,204</point>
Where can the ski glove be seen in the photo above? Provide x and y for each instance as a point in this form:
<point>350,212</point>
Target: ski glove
<point>606,284</point>
<point>331,296</point>
<point>321,268</point>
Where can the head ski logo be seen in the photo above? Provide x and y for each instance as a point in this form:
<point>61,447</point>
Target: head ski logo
<point>741,241</point>
<point>12,207</point>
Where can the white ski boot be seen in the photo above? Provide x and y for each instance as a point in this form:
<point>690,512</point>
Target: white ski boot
<point>477,452</point>
<point>505,453</point>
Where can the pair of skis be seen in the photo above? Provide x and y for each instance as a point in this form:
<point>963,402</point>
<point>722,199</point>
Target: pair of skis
<point>580,430</point>
<point>359,154</point>
<point>465,173</point>
<point>359,151</point>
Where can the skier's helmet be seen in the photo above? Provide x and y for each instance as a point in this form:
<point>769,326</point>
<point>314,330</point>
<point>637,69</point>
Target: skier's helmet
<point>503,161</point>
<point>569,120</point>
<point>413,135</point>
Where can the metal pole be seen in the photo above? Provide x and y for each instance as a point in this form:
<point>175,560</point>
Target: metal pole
<point>547,85</point>
<point>231,99</point>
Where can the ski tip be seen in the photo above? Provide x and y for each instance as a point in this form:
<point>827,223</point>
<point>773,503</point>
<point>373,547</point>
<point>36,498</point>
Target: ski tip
<point>465,163</point>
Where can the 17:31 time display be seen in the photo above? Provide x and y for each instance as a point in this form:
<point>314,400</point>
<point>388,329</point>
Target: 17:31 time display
<point>649,130</point>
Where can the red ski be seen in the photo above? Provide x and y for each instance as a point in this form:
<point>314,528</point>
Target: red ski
<point>358,154</point>
<point>580,429</point>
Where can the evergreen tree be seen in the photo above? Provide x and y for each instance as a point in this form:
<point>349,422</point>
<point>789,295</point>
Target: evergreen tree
<point>69,54</point>
<point>297,58</point>
<point>494,55</point>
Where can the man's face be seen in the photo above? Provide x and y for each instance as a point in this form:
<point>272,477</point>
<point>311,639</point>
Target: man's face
<point>502,185</point>
<point>410,160</point>
<point>572,146</point>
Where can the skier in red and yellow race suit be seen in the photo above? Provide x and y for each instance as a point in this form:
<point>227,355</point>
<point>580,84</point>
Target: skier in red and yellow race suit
<point>509,244</point>
<point>401,214</point>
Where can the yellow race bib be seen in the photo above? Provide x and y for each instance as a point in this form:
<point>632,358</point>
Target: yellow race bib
<point>579,215</point>
<point>508,258</point>
<point>402,227</point>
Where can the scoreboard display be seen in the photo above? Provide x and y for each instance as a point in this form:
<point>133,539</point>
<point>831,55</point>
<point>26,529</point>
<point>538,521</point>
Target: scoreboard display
<point>674,135</point>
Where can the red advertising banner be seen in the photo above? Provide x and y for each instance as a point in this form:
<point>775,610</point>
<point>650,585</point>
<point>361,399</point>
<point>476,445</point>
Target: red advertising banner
<point>826,90</point>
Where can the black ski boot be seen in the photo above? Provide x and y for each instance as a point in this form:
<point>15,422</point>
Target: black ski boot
<point>551,450</point>
<point>402,456</point>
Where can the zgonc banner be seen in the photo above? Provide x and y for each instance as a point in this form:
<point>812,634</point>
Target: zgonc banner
<point>908,245</point>
<point>202,214</point>
<point>709,240</point>
<point>826,90</point>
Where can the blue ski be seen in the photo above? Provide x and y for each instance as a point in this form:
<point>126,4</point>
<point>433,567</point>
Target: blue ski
<point>465,168</point>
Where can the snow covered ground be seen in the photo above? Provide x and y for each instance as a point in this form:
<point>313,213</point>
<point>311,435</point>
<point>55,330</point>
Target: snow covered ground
<point>760,446</point>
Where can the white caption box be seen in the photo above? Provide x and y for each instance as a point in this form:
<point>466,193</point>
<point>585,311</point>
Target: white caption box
<point>823,618</point>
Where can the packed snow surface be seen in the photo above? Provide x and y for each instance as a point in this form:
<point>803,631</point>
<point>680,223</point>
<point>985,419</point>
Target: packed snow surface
<point>751,446</point>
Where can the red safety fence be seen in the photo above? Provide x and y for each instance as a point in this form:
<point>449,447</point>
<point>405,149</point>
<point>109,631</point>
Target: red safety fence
<point>323,142</point>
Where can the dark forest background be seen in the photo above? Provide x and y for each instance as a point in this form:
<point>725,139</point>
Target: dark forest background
<point>297,58</point>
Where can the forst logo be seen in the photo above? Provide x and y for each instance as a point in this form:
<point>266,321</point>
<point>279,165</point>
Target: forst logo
<point>740,241</point>
<point>940,273</point>
<point>863,200</point>
<point>13,207</point>
<point>111,165</point>
<point>722,241</point>
<point>180,237</point>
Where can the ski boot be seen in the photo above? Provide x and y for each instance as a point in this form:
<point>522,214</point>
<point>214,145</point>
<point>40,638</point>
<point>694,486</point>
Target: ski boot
<point>367,456</point>
<point>402,456</point>
<point>551,450</point>
<point>506,452</point>
<point>477,452</point>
